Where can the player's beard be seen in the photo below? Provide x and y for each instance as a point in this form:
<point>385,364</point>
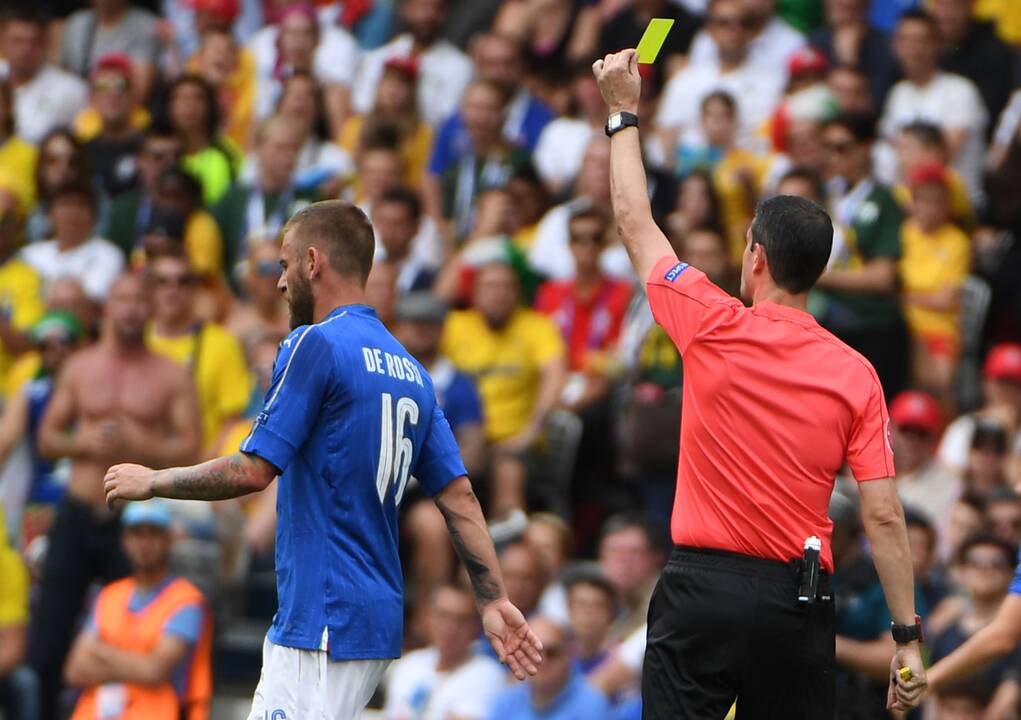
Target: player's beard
<point>300,301</point>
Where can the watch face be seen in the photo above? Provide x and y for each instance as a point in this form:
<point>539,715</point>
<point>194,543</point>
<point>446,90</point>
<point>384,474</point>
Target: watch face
<point>615,121</point>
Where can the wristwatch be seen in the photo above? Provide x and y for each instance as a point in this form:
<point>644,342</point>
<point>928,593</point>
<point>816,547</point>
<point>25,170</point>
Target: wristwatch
<point>903,634</point>
<point>620,120</point>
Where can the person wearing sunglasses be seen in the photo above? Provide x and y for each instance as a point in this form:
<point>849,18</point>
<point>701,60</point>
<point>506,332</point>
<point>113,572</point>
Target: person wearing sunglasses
<point>214,357</point>
<point>773,40</point>
<point>558,690</point>
<point>112,126</point>
<point>859,299</point>
<point>984,569</point>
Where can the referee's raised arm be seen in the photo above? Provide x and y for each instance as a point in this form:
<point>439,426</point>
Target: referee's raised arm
<point>621,87</point>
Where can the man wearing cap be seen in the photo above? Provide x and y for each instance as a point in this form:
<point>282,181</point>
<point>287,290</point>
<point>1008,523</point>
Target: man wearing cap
<point>1002,389</point>
<point>146,648</point>
<point>922,482</point>
<point>55,337</point>
<point>111,127</point>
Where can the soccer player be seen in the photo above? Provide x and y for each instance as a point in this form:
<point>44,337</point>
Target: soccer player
<point>773,407</point>
<point>349,418</point>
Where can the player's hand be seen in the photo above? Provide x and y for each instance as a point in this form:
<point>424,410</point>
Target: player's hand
<point>515,643</point>
<point>619,81</point>
<point>127,482</point>
<point>906,694</point>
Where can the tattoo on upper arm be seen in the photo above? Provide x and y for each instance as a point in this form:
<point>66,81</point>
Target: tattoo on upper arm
<point>219,479</point>
<point>484,585</point>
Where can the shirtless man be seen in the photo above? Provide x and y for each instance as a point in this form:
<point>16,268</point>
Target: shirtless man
<point>114,402</point>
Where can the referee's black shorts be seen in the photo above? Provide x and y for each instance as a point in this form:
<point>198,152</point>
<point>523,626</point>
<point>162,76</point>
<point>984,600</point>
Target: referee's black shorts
<point>726,627</point>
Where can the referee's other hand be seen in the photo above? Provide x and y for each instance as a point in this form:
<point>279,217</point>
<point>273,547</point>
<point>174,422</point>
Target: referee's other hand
<point>619,81</point>
<point>906,694</point>
<point>515,643</point>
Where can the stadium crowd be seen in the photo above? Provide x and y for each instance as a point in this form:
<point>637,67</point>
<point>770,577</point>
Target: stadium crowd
<point>151,151</point>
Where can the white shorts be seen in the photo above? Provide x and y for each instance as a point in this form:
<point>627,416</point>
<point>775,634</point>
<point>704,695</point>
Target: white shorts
<point>307,685</point>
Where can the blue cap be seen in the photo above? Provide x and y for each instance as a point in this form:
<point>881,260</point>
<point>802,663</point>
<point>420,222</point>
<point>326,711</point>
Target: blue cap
<point>151,512</point>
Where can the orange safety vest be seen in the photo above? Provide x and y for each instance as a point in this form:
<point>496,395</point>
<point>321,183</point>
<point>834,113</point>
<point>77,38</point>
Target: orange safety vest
<point>140,633</point>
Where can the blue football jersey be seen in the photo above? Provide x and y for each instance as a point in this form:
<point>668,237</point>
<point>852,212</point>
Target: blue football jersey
<point>349,418</point>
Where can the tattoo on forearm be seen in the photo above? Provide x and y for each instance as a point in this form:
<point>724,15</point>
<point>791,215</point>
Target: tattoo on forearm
<point>484,585</point>
<point>219,479</point>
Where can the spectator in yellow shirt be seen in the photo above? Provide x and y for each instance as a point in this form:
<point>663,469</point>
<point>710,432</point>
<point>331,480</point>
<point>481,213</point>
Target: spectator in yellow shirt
<point>936,257</point>
<point>516,356</point>
<point>17,157</point>
<point>922,143</point>
<point>16,683</point>
<point>396,104</point>
<point>21,302</point>
<point>214,356</point>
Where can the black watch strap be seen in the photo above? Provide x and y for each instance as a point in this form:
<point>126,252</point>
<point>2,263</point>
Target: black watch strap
<point>620,120</point>
<point>903,634</point>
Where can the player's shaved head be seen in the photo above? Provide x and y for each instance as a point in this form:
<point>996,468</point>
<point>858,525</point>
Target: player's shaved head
<point>339,230</point>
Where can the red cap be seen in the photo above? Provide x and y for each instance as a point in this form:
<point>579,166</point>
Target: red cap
<point>1004,362</point>
<point>917,409</point>
<point>928,173</point>
<point>114,62</point>
<point>225,11</point>
<point>407,65</point>
<point>805,60</point>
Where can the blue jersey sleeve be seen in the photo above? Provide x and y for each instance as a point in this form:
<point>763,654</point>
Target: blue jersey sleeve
<point>1015,584</point>
<point>439,462</point>
<point>444,147</point>
<point>302,376</point>
<point>186,623</point>
<point>462,405</point>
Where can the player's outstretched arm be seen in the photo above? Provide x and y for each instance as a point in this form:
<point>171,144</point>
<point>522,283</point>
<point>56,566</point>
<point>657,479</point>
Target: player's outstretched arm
<point>993,641</point>
<point>504,624</point>
<point>621,87</point>
<point>218,479</point>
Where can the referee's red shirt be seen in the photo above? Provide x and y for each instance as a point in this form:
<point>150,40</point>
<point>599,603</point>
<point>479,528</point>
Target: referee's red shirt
<point>773,404</point>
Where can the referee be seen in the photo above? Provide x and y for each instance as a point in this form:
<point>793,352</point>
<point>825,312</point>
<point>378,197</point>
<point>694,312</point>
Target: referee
<point>773,406</point>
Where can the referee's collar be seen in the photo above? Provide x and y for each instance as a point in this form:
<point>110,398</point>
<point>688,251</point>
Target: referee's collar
<point>770,309</point>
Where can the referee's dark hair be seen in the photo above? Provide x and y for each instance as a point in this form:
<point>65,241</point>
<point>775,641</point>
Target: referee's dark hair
<point>797,236</point>
<point>343,233</point>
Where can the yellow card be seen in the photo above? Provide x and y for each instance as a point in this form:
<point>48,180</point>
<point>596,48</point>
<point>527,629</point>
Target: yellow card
<point>653,39</point>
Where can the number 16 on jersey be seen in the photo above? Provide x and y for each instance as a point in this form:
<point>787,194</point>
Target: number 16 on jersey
<point>395,450</point>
